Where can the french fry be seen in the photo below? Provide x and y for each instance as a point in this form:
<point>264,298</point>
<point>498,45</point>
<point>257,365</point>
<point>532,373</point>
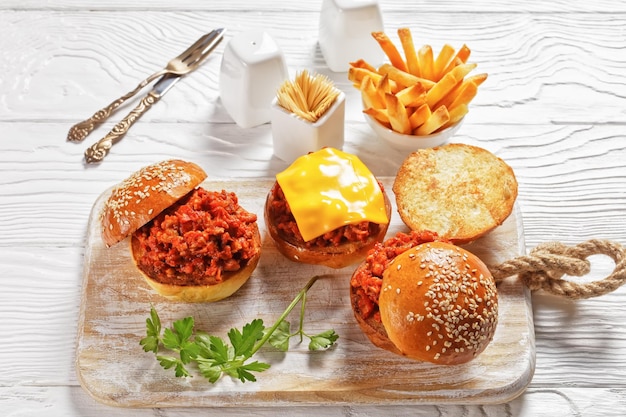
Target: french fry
<point>447,83</point>
<point>465,88</point>
<point>460,71</point>
<point>398,117</point>
<point>440,90</point>
<point>477,79</point>
<point>461,57</point>
<point>413,96</point>
<point>390,50</point>
<point>419,116</point>
<point>356,75</point>
<point>361,63</point>
<point>464,53</point>
<point>383,86</point>
<point>410,53</point>
<point>419,94</point>
<point>370,95</point>
<point>437,119</point>
<point>441,62</point>
<point>456,114</point>
<point>403,78</point>
<point>425,57</point>
<point>466,94</point>
<point>379,114</point>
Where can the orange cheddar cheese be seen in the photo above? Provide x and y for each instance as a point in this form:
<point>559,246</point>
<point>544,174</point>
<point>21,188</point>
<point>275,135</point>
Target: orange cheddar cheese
<point>330,188</point>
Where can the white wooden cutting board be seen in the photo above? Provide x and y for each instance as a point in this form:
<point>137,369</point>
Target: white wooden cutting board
<point>116,301</point>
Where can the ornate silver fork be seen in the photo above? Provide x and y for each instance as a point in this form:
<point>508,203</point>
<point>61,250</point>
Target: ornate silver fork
<point>181,65</point>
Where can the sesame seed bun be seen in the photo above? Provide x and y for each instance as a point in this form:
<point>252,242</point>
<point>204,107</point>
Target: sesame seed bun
<point>145,194</point>
<point>231,281</point>
<point>459,191</point>
<point>179,258</point>
<point>438,303</point>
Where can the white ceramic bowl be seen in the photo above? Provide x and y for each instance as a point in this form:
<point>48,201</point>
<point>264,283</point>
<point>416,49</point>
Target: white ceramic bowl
<point>411,143</point>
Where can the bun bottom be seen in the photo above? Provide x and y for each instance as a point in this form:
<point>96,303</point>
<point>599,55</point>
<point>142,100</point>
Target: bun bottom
<point>231,281</point>
<point>373,329</point>
<point>333,256</point>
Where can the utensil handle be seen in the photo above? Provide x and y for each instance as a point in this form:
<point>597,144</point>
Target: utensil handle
<point>97,151</point>
<point>81,130</point>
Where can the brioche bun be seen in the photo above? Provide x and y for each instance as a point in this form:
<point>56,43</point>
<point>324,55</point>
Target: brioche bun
<point>230,281</point>
<point>459,191</point>
<point>151,194</point>
<point>145,194</point>
<point>331,256</point>
<point>438,303</point>
<point>366,282</point>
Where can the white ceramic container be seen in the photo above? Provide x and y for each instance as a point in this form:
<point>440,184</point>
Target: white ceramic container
<point>293,136</point>
<point>410,143</point>
<point>345,32</point>
<point>253,67</point>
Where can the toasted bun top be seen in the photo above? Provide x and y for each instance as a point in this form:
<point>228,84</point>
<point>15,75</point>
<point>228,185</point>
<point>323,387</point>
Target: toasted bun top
<point>439,303</point>
<point>146,193</point>
<point>459,191</point>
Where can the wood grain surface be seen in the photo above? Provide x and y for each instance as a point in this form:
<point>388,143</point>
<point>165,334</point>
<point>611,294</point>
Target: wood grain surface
<point>553,108</point>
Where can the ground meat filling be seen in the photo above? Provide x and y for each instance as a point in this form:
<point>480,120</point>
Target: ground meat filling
<point>367,279</point>
<point>288,229</point>
<point>195,240</point>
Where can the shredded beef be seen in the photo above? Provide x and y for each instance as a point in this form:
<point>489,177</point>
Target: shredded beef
<point>288,228</point>
<point>195,240</point>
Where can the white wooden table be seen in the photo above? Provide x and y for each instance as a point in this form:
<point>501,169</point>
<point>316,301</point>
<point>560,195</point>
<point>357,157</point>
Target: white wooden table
<point>553,108</point>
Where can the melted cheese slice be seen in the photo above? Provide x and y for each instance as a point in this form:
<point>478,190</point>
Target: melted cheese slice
<point>330,188</point>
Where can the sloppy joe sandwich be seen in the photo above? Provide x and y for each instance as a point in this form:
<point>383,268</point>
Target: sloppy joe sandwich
<point>459,191</point>
<point>433,302</point>
<point>190,244</point>
<point>327,208</point>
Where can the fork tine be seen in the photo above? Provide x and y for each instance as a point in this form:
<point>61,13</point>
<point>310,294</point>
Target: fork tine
<point>199,54</point>
<point>201,43</point>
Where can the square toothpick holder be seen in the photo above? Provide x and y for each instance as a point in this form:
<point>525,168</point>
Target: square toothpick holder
<point>293,136</point>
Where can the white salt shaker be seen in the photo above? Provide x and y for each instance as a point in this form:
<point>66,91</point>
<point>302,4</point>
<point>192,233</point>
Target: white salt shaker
<point>293,136</point>
<point>253,67</point>
<point>345,32</point>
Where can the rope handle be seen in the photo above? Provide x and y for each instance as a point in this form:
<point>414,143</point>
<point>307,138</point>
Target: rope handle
<point>546,264</point>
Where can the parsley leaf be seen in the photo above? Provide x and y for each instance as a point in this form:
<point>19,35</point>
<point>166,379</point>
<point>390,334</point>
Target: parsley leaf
<point>169,362</point>
<point>323,340</point>
<point>213,356</point>
<point>280,337</point>
<point>244,341</point>
<point>150,343</point>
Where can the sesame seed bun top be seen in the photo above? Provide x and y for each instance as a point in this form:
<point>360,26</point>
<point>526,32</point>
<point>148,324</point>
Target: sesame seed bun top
<point>147,192</point>
<point>438,303</point>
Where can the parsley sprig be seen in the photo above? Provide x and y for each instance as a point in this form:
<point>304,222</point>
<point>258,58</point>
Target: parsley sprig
<point>215,357</point>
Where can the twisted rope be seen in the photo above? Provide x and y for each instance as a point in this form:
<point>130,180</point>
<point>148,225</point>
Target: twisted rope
<point>546,264</point>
